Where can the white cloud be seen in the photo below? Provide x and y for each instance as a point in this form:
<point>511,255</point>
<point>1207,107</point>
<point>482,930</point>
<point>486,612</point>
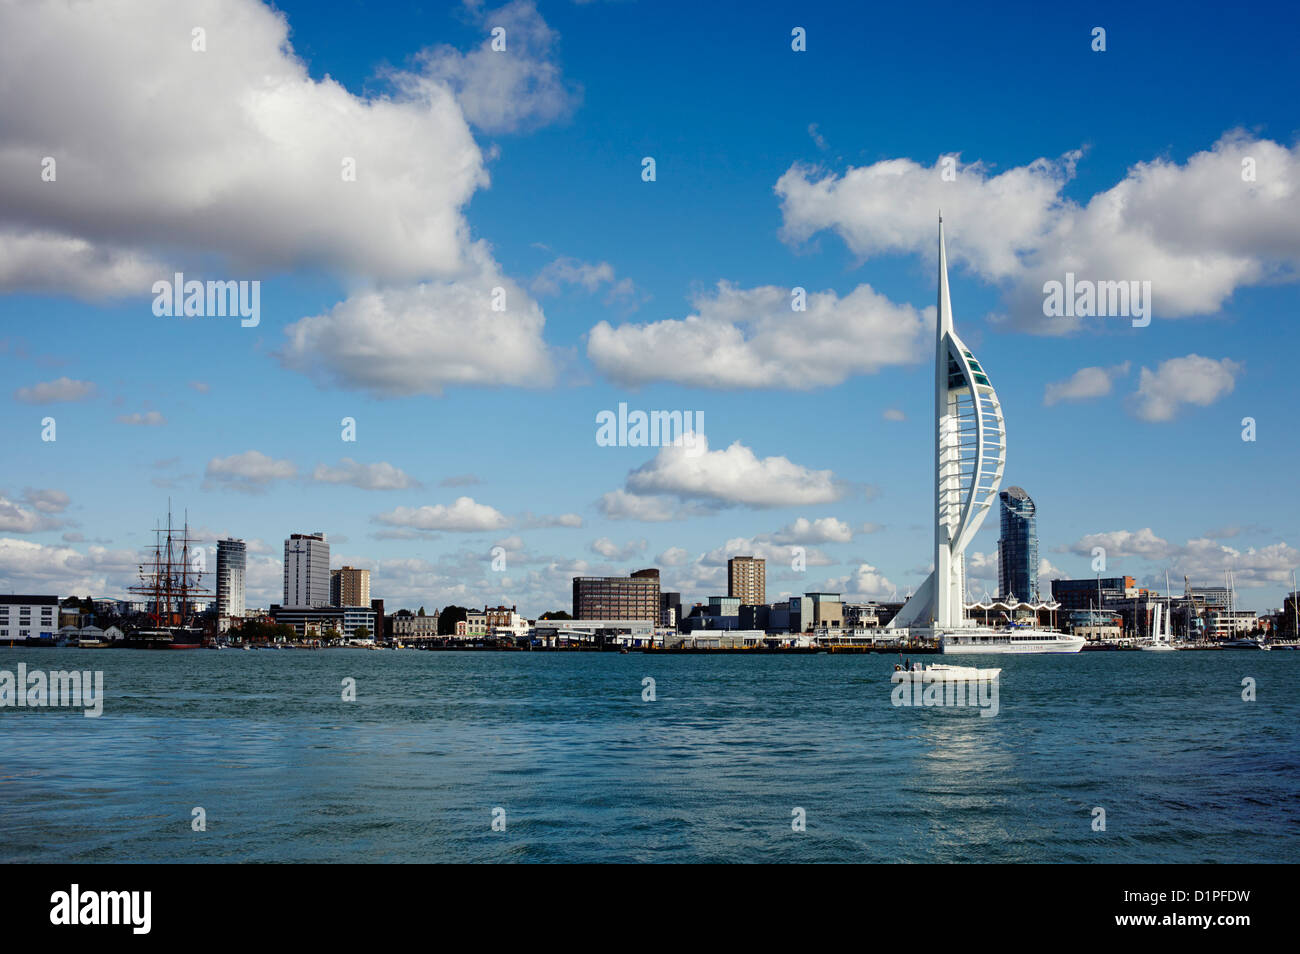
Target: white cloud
<point>1084,383</point>
<point>463,516</point>
<point>612,551</point>
<point>586,275</point>
<point>751,338</point>
<point>1195,230</point>
<point>762,546</point>
<point>893,414</point>
<point>1121,543</point>
<point>734,476</point>
<point>15,518</point>
<point>531,521</point>
<point>505,90</point>
<point>27,567</point>
<point>47,500</point>
<point>251,472</point>
<point>673,556</point>
<point>378,476</point>
<point>621,505</point>
<point>1189,380</point>
<point>865,581</point>
<point>821,530</point>
<point>256,174</point>
<point>422,339</point>
<point>61,389</point>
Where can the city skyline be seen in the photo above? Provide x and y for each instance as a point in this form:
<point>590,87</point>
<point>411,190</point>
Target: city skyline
<point>476,431</point>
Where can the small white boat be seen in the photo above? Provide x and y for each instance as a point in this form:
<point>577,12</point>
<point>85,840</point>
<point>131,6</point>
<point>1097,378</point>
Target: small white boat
<point>941,673</point>
<point>1162,640</point>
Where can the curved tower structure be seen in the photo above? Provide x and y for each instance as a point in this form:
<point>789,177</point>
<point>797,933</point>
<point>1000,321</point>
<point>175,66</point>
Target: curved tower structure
<point>970,454</point>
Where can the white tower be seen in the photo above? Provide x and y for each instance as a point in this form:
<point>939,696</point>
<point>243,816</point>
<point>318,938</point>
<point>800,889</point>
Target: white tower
<point>970,453</point>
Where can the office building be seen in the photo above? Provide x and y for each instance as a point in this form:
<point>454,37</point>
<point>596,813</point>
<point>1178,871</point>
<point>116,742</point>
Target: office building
<point>306,570</point>
<point>1094,593</point>
<point>28,617</point>
<point>747,579</point>
<point>616,597</point>
<point>1018,547</point>
<point>232,566</point>
<point>349,587</point>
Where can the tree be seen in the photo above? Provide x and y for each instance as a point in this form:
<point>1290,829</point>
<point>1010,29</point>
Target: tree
<point>361,632</point>
<point>421,613</point>
<point>556,614</point>
<point>448,619</point>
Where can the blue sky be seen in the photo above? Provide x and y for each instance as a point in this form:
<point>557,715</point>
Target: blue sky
<point>522,169</point>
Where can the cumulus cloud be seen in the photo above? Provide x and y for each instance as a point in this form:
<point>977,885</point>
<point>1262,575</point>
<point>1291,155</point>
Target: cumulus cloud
<point>15,518</point>
<point>59,390</point>
<point>621,505</point>
<point>734,476</point>
<point>257,177</point>
<point>27,567</point>
<point>519,87</point>
<point>893,414</point>
<point>46,500</point>
<point>1190,380</point>
<point>378,476</point>
<point>673,556</point>
<point>821,530</point>
<point>612,551</point>
<point>586,275</point>
<point>422,339</point>
<point>865,581</point>
<point>1084,384</point>
<point>463,516</point>
<point>251,472</point>
<point>1200,559</point>
<point>1195,229</point>
<point>751,338</point>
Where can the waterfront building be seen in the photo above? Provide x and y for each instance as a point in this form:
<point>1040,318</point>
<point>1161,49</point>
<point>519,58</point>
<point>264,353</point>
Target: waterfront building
<point>306,570</point>
<point>316,622</point>
<point>349,587</point>
<point>1209,597</point>
<point>670,609</point>
<point>411,627</point>
<point>1094,593</point>
<point>28,617</point>
<point>1018,546</point>
<point>619,632</point>
<point>232,565</point>
<point>747,579</point>
<point>617,597</point>
<point>473,626</point>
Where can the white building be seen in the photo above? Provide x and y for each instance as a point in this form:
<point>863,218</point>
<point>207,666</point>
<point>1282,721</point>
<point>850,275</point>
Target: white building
<point>28,617</point>
<point>306,570</point>
<point>232,565</point>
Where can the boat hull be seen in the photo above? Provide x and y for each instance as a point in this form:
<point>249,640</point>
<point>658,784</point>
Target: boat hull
<point>1011,643</point>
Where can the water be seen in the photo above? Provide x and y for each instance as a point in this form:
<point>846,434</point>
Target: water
<point>710,771</point>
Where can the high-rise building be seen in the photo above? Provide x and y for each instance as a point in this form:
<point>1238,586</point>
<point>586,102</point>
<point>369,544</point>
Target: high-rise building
<point>1018,547</point>
<point>747,579</point>
<point>349,587</point>
<point>232,565</point>
<point>617,597</point>
<point>306,570</point>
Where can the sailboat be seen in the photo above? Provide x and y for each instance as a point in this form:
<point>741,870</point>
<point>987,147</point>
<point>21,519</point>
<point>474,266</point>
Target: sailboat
<point>1161,641</point>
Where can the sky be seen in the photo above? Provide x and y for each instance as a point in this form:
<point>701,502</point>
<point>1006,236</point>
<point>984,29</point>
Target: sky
<point>462,251</point>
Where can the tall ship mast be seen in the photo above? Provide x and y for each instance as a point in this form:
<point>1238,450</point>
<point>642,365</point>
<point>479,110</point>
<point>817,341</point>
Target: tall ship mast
<point>170,581</point>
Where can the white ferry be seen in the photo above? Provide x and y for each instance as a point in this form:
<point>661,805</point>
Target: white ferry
<point>1017,640</point>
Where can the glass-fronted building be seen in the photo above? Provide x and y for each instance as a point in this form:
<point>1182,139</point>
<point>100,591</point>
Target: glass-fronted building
<point>1018,547</point>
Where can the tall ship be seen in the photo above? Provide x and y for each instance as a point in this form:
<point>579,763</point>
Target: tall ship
<point>970,456</point>
<point>170,581</point>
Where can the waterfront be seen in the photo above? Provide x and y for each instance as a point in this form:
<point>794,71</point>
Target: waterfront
<point>709,771</point>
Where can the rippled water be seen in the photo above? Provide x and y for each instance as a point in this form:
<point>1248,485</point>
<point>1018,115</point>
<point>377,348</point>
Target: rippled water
<point>710,771</point>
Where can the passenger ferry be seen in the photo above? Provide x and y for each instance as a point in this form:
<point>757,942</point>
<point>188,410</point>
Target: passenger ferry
<point>1015,640</point>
